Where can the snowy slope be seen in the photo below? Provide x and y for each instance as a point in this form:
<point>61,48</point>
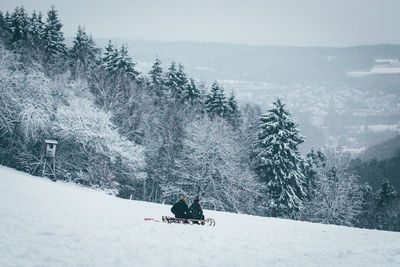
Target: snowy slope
<point>43,223</point>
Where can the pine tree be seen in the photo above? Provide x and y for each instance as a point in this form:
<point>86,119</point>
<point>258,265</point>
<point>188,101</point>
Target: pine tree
<point>84,52</point>
<point>156,72</point>
<point>278,161</point>
<point>118,79</point>
<point>5,29</point>
<point>125,64</point>
<point>53,38</point>
<point>2,22</point>
<point>387,208</point>
<point>7,19</point>
<point>35,29</point>
<point>118,63</point>
<point>234,116</point>
<point>386,194</point>
<point>172,78</point>
<point>315,161</point>
<point>216,103</point>
<point>191,94</point>
<point>109,54</point>
<point>157,77</point>
<point>182,82</point>
<point>19,24</point>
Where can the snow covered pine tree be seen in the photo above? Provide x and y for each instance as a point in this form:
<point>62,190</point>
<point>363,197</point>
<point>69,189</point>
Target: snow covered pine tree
<point>216,103</point>
<point>278,162</point>
<point>53,37</point>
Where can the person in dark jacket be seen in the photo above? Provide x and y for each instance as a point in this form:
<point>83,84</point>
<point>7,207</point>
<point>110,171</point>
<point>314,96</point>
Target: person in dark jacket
<point>180,209</point>
<point>195,210</point>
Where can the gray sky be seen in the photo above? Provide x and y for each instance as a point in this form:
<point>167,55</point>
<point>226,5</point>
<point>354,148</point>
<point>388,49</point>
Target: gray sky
<point>268,22</point>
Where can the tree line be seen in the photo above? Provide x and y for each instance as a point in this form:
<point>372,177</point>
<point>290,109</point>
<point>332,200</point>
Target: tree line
<point>158,135</point>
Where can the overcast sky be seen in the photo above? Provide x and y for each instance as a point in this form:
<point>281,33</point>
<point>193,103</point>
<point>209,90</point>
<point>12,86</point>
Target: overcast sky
<point>259,22</point>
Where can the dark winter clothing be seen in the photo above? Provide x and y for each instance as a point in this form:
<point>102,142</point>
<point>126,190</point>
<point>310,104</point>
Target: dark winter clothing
<point>195,211</point>
<point>180,209</point>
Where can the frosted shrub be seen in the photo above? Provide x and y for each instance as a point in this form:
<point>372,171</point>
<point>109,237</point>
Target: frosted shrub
<point>37,106</point>
<point>26,108</point>
<point>89,130</point>
<point>211,166</point>
<point>337,197</point>
<point>26,99</point>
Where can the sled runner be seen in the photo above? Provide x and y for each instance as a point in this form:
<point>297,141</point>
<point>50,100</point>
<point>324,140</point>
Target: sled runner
<point>167,219</point>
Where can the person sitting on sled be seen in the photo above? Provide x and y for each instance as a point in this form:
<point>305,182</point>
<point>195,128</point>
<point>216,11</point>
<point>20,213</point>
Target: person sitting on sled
<point>180,209</point>
<point>195,210</point>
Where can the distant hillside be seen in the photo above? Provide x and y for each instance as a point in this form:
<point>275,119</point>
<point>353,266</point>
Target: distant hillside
<point>380,162</point>
<point>276,64</point>
<point>375,172</point>
<point>384,150</point>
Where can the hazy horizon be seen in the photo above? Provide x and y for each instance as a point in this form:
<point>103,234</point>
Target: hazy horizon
<point>332,23</point>
<point>121,39</point>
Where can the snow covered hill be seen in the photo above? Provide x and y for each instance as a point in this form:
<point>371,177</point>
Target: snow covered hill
<point>43,223</point>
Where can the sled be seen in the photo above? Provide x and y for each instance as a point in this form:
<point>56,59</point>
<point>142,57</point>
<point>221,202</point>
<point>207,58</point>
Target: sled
<point>208,221</point>
<point>167,219</point>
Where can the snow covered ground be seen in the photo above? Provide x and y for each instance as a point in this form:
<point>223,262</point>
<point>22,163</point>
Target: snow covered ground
<point>43,223</point>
